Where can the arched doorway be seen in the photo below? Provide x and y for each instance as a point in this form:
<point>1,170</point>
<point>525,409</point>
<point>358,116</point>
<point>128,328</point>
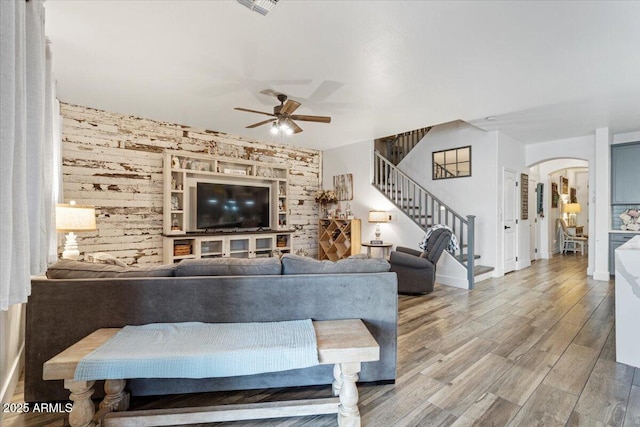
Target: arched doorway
<point>563,181</point>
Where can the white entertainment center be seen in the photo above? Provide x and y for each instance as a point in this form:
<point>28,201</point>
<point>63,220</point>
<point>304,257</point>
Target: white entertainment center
<point>185,172</point>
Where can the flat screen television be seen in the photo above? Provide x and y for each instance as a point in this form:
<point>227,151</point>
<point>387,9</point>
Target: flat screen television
<point>230,206</point>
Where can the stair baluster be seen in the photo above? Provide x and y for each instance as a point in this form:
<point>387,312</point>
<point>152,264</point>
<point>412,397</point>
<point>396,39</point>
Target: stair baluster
<point>421,207</point>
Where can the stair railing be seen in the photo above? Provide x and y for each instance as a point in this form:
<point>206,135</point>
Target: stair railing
<point>403,143</point>
<point>424,209</point>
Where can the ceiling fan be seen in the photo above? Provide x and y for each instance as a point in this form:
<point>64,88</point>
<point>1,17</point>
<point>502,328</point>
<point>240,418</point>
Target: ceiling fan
<point>283,118</point>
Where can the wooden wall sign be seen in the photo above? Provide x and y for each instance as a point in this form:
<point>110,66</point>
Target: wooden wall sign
<point>524,196</point>
<point>540,199</point>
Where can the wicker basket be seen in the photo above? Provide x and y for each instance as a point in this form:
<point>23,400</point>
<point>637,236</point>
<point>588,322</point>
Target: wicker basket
<point>180,250</point>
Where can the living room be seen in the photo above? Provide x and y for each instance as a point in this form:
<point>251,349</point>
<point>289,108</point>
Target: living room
<point>123,103</point>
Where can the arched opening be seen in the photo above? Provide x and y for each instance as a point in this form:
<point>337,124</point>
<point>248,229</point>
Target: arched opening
<point>566,195</point>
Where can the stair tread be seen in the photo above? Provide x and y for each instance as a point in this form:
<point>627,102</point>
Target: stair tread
<point>481,269</point>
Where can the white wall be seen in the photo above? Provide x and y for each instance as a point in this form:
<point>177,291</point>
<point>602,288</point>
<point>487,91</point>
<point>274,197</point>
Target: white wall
<point>491,152</point>
<point>357,159</point>
<point>11,349</point>
<point>467,195</point>
<point>595,149</point>
<point>511,155</point>
<point>580,148</point>
<point>546,173</point>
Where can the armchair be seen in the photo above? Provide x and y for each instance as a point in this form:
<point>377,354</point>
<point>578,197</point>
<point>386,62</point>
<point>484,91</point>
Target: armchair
<point>416,270</point>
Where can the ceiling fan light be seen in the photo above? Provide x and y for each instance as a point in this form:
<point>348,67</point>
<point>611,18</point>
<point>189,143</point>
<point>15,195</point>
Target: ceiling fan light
<point>284,127</point>
<point>288,131</point>
<point>274,129</point>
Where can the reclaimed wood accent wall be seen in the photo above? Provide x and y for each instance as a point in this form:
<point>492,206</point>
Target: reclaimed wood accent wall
<point>114,161</point>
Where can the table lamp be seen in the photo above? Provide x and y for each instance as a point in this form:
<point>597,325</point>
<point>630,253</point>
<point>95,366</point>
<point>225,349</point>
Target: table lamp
<point>571,209</point>
<point>378,217</point>
<point>70,219</point>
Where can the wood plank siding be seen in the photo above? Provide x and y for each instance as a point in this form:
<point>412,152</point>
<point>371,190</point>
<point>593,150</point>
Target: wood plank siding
<point>114,162</point>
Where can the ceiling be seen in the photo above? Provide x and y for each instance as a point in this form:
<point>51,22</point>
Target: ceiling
<point>544,70</point>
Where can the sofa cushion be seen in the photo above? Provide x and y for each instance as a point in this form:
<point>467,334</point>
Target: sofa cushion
<point>70,269</point>
<point>294,264</point>
<point>228,267</point>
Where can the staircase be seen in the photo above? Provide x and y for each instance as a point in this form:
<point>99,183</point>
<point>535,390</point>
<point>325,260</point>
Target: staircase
<point>424,209</point>
<point>396,147</point>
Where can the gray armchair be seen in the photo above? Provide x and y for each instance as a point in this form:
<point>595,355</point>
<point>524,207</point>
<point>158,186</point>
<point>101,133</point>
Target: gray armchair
<point>416,270</point>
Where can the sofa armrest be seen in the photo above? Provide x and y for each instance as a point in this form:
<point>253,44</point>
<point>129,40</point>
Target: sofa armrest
<point>408,251</point>
<point>406,260</point>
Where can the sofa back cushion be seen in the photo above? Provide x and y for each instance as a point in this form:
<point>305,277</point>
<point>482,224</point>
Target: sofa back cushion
<point>70,269</point>
<point>228,267</point>
<point>295,264</point>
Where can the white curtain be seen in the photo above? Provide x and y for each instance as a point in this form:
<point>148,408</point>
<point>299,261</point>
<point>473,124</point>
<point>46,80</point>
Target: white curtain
<point>27,148</point>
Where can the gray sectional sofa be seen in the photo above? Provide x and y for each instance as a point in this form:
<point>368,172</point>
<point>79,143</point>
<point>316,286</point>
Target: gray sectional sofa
<point>78,298</point>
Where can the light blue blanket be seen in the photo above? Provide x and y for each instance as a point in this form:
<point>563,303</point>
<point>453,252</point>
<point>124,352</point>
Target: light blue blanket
<point>202,350</point>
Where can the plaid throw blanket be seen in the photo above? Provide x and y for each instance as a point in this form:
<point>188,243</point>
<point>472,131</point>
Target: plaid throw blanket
<point>453,243</point>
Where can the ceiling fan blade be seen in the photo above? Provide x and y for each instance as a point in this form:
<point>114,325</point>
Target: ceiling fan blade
<point>254,111</point>
<point>289,107</point>
<point>321,119</point>
<point>255,125</point>
<point>295,127</point>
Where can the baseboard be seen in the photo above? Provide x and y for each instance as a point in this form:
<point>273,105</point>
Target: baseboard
<point>601,275</point>
<point>10,382</point>
<point>456,282</point>
<point>481,277</point>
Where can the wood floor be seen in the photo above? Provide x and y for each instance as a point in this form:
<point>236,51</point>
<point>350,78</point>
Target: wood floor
<point>533,348</point>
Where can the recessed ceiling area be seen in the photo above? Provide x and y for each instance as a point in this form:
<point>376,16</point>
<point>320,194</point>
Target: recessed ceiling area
<point>545,70</point>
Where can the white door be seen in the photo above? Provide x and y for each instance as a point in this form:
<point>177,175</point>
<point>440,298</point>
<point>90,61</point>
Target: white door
<point>533,220</point>
<point>510,221</point>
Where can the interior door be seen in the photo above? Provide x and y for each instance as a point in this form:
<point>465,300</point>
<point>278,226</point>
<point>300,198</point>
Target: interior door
<point>510,220</point>
<point>533,220</point>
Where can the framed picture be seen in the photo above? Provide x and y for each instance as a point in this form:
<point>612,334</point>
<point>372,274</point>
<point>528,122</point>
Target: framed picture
<point>564,185</point>
<point>573,197</point>
<point>554,195</point>
<point>343,186</point>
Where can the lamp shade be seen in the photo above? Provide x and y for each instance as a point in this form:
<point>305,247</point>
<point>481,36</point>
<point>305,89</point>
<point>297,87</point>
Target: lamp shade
<point>72,217</point>
<point>571,208</point>
<point>378,216</point>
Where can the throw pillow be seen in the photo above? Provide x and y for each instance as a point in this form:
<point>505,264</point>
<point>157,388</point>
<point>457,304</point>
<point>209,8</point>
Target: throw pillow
<point>70,269</point>
<point>294,264</point>
<point>229,267</point>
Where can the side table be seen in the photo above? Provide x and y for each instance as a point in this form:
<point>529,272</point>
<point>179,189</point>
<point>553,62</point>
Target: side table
<point>386,248</point>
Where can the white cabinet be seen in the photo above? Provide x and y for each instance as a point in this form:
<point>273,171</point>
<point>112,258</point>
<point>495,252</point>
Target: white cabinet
<point>210,247</point>
<point>182,171</point>
<point>230,245</point>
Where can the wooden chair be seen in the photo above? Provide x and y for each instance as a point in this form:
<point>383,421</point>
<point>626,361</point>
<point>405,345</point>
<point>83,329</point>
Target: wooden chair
<point>569,242</point>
